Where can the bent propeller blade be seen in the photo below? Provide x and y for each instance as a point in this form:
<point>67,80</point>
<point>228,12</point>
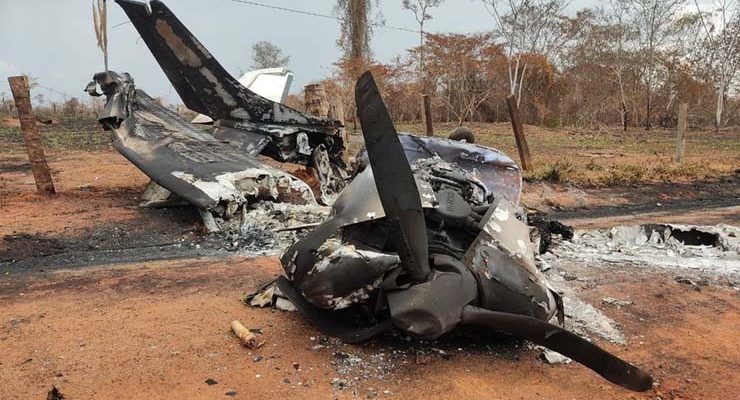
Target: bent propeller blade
<point>567,343</point>
<point>393,177</point>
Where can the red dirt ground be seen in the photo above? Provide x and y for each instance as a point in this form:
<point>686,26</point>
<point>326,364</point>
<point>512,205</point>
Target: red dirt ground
<point>159,329</point>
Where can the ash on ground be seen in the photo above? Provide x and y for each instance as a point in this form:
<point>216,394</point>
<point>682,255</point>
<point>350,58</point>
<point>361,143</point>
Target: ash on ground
<point>698,255</point>
<point>269,228</point>
<point>706,252</point>
<point>366,371</point>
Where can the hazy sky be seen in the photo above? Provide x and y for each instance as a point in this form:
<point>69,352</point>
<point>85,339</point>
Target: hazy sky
<point>54,39</point>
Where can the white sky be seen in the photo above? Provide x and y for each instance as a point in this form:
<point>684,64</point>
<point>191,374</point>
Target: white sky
<point>54,41</point>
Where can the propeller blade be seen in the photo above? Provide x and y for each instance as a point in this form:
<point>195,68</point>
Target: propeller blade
<point>393,178</point>
<point>564,342</point>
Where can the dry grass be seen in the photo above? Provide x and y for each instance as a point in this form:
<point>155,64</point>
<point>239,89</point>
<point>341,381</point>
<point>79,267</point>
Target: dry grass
<point>611,157</point>
<point>584,158</point>
<point>67,133</point>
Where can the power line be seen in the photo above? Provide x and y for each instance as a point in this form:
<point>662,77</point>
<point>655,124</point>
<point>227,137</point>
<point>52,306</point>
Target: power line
<point>309,13</point>
<point>315,14</point>
<point>66,95</point>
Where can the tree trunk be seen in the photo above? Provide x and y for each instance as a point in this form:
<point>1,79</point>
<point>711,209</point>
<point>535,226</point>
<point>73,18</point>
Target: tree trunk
<point>648,109</point>
<point>720,106</point>
<point>624,117</point>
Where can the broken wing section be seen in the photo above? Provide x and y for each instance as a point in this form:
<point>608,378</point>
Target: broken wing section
<point>190,163</point>
<point>200,80</point>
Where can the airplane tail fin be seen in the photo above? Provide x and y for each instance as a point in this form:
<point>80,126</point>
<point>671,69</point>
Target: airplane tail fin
<point>200,80</point>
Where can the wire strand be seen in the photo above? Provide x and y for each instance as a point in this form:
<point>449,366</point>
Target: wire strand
<point>309,13</point>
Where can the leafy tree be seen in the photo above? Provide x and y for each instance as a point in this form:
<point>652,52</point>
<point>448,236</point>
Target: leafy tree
<point>267,55</point>
<point>420,9</point>
<point>461,65</point>
<point>530,26</point>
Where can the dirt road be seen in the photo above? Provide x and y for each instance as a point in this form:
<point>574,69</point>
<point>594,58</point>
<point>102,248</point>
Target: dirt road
<point>144,327</point>
<point>161,329</point>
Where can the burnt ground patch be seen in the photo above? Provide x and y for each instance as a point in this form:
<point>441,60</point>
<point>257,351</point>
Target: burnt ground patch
<point>661,197</point>
<point>157,234</point>
<point>15,166</point>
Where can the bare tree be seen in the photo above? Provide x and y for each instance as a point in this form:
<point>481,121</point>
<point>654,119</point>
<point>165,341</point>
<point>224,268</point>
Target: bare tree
<point>529,26</point>
<point>656,25</point>
<point>420,9</point>
<point>720,50</point>
<point>267,55</point>
<point>461,65</point>
<point>613,43</point>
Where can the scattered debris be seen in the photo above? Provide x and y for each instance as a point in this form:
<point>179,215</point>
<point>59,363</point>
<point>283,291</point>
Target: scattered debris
<point>423,358</point>
<point>445,355</point>
<point>581,317</point>
<point>553,357</point>
<point>542,236</point>
<point>705,250</point>
<point>444,237</point>
<point>26,361</point>
<point>339,384</point>
<point>217,171</point>
<point>258,229</point>
<point>616,302</point>
<point>247,337</point>
<point>696,283</point>
<point>54,394</point>
<point>284,304</point>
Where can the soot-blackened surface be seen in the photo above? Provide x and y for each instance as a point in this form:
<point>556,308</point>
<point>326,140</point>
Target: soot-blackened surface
<point>158,234</point>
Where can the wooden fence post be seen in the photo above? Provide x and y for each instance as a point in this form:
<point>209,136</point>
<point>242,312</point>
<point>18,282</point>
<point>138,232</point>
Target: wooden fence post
<point>22,96</point>
<point>521,141</point>
<point>426,115</point>
<point>683,111</point>
<point>316,100</point>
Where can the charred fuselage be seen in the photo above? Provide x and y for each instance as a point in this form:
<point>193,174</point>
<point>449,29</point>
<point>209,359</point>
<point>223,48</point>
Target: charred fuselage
<point>252,123</point>
<point>428,246</point>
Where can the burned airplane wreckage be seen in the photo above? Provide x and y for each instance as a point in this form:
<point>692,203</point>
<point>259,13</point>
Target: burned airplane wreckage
<point>426,247</point>
<point>427,239</point>
<point>216,171</point>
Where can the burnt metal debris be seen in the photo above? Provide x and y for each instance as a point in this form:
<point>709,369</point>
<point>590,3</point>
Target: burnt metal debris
<point>427,238</point>
<point>428,244</point>
<point>218,171</point>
